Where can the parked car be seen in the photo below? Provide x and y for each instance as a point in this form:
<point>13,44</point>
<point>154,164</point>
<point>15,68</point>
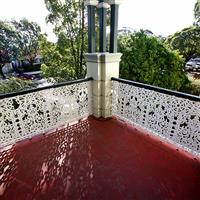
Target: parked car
<point>193,65</point>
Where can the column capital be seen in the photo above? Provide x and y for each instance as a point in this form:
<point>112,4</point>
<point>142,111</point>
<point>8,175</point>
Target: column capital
<point>91,2</point>
<point>115,2</point>
<point>103,57</point>
<point>103,5</point>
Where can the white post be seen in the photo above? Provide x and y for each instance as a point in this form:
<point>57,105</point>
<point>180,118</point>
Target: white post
<point>102,67</point>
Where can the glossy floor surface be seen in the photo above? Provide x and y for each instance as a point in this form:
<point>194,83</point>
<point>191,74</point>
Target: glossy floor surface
<point>97,160</point>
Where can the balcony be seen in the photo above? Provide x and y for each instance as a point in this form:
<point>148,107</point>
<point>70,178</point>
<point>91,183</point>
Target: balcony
<point>53,148</point>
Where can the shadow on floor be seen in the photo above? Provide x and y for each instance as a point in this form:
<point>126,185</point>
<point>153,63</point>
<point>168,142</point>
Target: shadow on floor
<point>97,160</point>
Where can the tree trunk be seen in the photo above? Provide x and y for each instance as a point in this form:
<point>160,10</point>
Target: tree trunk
<point>82,40</point>
<point>1,71</point>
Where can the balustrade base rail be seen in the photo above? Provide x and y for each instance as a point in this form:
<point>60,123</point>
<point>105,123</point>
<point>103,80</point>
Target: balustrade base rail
<point>171,115</point>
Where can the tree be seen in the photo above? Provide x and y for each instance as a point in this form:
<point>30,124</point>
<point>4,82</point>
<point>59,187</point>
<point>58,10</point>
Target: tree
<point>197,12</point>
<point>28,36</point>
<point>68,17</point>
<point>20,39</point>
<point>70,25</point>
<point>187,42</point>
<point>9,40</point>
<point>148,60</point>
<point>57,63</point>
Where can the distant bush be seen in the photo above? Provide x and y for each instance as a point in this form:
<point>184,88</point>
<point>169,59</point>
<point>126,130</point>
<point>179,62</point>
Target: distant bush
<point>15,84</point>
<point>194,87</point>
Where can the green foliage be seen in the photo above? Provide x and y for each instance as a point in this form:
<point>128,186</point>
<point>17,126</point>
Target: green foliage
<point>194,87</point>
<point>197,12</point>
<point>28,33</point>
<point>9,39</point>
<point>148,60</point>
<point>57,62</point>
<point>187,42</point>
<point>20,39</point>
<point>70,25</point>
<point>68,17</point>
<point>15,84</point>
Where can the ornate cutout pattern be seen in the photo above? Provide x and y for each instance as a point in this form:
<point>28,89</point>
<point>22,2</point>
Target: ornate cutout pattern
<point>8,168</point>
<point>60,166</point>
<point>24,116</point>
<point>172,118</point>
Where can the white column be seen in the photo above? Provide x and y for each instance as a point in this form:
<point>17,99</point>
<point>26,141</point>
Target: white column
<point>102,67</point>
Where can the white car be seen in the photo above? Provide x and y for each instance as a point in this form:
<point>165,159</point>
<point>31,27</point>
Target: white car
<point>193,65</point>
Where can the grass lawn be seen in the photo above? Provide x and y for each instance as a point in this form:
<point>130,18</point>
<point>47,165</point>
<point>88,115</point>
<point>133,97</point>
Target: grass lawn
<point>195,84</point>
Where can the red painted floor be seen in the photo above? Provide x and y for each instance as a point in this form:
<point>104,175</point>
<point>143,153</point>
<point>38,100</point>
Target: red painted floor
<point>97,160</point>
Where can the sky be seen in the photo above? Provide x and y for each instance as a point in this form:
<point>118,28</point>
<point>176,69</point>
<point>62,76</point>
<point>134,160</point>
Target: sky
<point>162,17</point>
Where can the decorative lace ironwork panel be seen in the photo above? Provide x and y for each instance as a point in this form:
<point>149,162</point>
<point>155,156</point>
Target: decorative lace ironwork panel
<point>24,116</point>
<point>173,118</point>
